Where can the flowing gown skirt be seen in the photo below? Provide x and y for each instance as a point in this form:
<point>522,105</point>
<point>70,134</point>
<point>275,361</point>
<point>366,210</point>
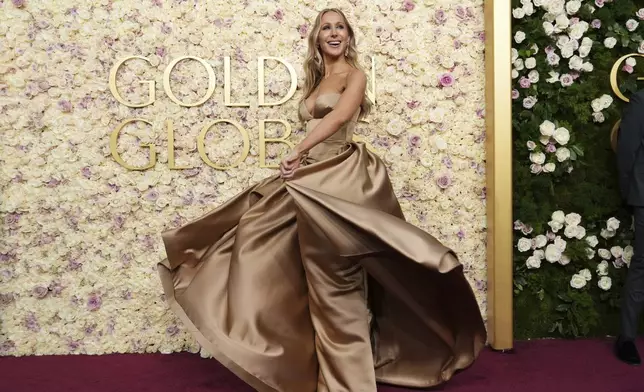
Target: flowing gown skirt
<point>319,284</point>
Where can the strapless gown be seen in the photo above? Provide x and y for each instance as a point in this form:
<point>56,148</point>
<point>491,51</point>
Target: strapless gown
<point>319,284</point>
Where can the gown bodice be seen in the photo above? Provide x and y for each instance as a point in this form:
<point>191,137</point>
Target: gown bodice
<point>335,143</point>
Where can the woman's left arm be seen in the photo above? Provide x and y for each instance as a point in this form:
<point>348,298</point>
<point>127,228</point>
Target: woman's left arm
<point>349,102</point>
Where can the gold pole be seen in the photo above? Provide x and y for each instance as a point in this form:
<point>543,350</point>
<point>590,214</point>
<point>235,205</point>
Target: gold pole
<point>498,124</point>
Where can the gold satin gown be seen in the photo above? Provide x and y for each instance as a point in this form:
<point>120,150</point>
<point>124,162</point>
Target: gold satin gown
<point>318,283</point>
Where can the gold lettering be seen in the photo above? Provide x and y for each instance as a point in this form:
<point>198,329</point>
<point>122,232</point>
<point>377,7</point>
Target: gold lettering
<point>212,81</point>
<point>261,82</point>
<point>112,83</point>
<point>201,144</point>
<point>171,163</point>
<point>613,75</point>
<point>263,140</point>
<point>117,157</point>
<point>228,85</point>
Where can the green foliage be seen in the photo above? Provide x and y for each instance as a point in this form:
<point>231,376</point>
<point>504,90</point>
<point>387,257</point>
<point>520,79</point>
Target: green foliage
<point>545,303</point>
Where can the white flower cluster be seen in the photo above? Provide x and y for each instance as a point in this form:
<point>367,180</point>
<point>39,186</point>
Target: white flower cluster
<point>551,136</point>
<point>81,234</point>
<point>599,104</point>
<point>552,247</point>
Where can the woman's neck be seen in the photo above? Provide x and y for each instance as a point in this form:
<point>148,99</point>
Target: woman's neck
<point>334,65</point>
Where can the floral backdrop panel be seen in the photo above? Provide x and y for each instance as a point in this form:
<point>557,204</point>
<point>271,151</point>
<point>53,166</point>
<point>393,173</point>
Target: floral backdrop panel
<point>81,232</point>
<point>573,236</point>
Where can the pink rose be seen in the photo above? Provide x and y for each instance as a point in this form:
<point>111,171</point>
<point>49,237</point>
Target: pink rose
<point>627,68</point>
<point>446,79</point>
<point>408,5</point>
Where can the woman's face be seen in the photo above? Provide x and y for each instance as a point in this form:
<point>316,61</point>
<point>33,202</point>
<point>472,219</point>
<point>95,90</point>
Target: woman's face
<point>333,37</point>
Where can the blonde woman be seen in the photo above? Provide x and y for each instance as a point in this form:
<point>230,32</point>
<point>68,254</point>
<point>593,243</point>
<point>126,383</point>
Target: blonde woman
<point>311,280</point>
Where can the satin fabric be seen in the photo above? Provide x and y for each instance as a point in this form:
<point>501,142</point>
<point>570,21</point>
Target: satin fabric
<point>319,284</point>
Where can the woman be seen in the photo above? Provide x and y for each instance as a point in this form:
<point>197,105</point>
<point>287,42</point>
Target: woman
<point>314,281</point>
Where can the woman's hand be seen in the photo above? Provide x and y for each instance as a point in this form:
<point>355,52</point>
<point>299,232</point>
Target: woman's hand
<point>289,164</point>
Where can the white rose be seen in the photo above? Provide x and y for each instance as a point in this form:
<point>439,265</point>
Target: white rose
<point>533,76</point>
<point>575,63</point>
<point>612,224</point>
<point>577,31</point>
<point>577,281</point>
<point>547,128</point>
<point>535,169</point>
<point>539,253</point>
<point>531,145</point>
<point>555,226</point>
<point>610,42</point>
<point>572,219</point>
<point>572,7</point>
<point>558,216</point>
<point>640,49</point>
<point>549,167</point>
<point>602,268</point>
<point>519,64</point>
<point>562,154</point>
<point>538,157</point>
<point>617,251</point>
<point>605,233</point>
<point>519,36</point>
<point>586,274</point>
<point>554,77</point>
<point>598,117</point>
<point>560,243</point>
<point>590,253</point>
<point>533,262</point>
<point>565,260</point>
<point>640,13</point>
<point>524,244</point>
<point>580,232</point>
<point>592,241</point>
<point>596,104</point>
<point>548,28</point>
<point>515,55</point>
<point>562,22</point>
<point>518,13</point>
<point>540,241</point>
<point>605,283</point>
<point>561,135</point>
<point>604,253</point>
<point>628,250</point>
<point>570,231</point>
<point>552,253</point>
<point>631,24</point>
<point>528,8</point>
<point>515,73</point>
<point>606,100</point>
<point>530,63</point>
<point>631,62</point>
<point>587,67</point>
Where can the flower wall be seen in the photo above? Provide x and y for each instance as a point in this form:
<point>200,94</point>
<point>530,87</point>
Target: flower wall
<point>81,234</point>
<point>573,234</point>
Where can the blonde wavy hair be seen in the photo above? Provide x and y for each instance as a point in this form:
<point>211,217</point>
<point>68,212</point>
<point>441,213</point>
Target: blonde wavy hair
<point>314,63</point>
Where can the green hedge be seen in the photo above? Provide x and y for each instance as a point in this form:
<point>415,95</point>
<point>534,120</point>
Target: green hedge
<point>586,183</point>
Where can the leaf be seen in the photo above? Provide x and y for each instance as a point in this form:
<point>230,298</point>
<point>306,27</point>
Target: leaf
<point>562,307</point>
<point>577,150</point>
<point>564,297</point>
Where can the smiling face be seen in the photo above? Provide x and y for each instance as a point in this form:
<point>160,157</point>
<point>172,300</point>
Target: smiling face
<point>334,35</point>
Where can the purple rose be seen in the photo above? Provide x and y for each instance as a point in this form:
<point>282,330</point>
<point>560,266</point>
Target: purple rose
<point>172,330</point>
<point>413,104</point>
<point>446,79</point>
<point>599,3</point>
<point>447,161</point>
<point>152,195</point>
<point>408,5</point>
<point>40,291</point>
<point>279,15</point>
<point>515,93</point>
<point>440,16</point>
<point>460,234</point>
<point>444,181</point>
<point>94,302</point>
<point>18,3</point>
<point>461,12</point>
<point>414,140</point>
<point>87,173</point>
<point>31,323</point>
<point>551,148</point>
<point>65,106</point>
<point>524,82</point>
<point>596,24</point>
<point>160,51</point>
<point>303,29</point>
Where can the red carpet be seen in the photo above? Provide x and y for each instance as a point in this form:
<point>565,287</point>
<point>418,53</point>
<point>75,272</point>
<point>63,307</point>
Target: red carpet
<point>536,366</point>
